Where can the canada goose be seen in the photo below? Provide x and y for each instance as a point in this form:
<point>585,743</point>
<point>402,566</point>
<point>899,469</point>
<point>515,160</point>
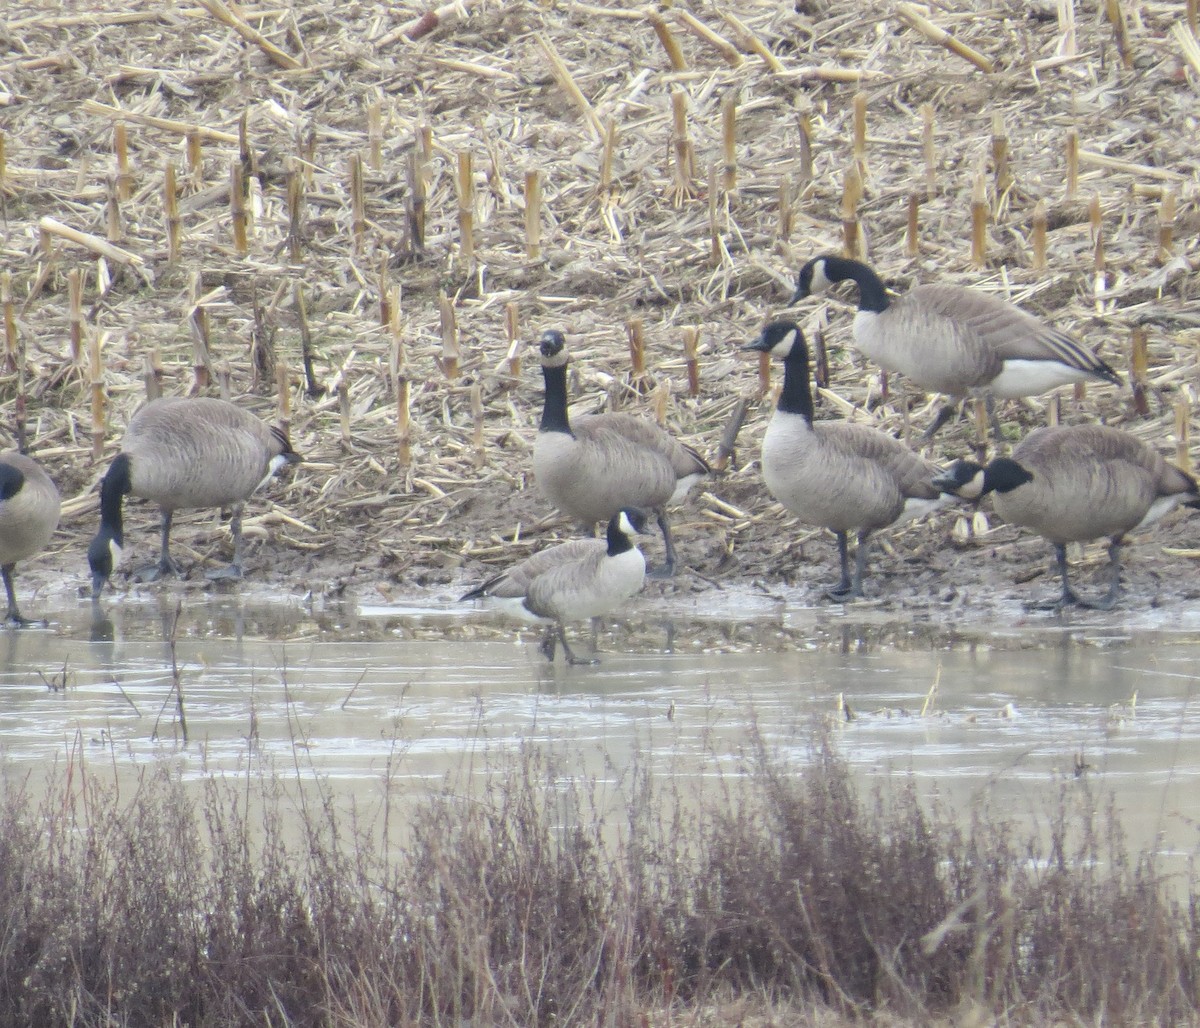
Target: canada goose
<point>29,508</point>
<point>593,466</point>
<point>840,476</point>
<point>955,340</point>
<point>572,581</point>
<point>182,452</point>
<point>1072,483</point>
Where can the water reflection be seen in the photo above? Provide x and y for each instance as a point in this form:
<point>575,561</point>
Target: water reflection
<point>370,701</point>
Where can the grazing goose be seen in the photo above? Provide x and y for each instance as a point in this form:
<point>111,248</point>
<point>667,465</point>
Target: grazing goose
<point>954,340</point>
<point>573,581</point>
<point>591,467</point>
<point>183,452</point>
<point>840,476</point>
<point>29,508</point>
<point>1076,483</point>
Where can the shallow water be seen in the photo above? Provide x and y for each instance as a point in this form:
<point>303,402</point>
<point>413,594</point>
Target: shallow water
<point>390,701</point>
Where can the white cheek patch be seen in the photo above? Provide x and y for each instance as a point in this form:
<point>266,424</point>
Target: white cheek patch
<point>973,489</point>
<point>276,462</point>
<point>115,552</point>
<point>820,282</point>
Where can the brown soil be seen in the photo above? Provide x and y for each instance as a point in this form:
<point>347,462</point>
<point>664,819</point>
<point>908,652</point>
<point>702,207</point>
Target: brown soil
<point>670,249</point>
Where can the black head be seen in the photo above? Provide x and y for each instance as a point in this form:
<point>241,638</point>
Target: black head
<point>103,554</point>
<point>623,530</point>
<point>781,339</point>
<point>632,520</point>
<point>963,478</point>
<point>11,481</point>
<point>553,347</point>
<point>970,481</point>
<point>818,275</point>
<point>1004,475</point>
<point>821,272</point>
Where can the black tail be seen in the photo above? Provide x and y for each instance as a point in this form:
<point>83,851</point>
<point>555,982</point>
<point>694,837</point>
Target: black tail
<point>285,445</point>
<point>480,591</point>
<point>1105,371</point>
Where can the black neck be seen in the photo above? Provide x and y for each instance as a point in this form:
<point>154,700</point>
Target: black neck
<point>796,395</point>
<point>871,294</point>
<point>554,409</point>
<point>618,541</point>
<point>113,489</point>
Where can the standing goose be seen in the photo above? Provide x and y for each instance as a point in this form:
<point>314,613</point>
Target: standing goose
<point>591,467</point>
<point>573,581</point>
<point>1075,483</point>
<point>955,340</point>
<point>837,475</point>
<point>29,509</point>
<point>184,452</point>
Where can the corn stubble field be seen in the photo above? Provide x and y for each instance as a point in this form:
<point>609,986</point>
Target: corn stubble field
<point>357,218</point>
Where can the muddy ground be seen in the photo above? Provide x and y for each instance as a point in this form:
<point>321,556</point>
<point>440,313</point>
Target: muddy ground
<point>644,226</point>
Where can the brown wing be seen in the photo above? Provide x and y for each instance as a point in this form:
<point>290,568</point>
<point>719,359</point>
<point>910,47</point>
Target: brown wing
<point>648,435</point>
<point>1062,446</point>
<point>1007,331</point>
<point>29,517</point>
<point>197,452</point>
<point>911,473</point>
<point>514,583</point>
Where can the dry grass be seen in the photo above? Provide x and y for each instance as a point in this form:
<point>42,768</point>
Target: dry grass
<point>783,897</point>
<point>689,161</point>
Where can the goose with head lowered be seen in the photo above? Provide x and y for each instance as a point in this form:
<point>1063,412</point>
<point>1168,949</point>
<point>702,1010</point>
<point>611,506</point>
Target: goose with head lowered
<point>591,466</point>
<point>955,340</point>
<point>1074,483</point>
<point>29,509</point>
<point>834,474</point>
<point>572,581</point>
<point>181,453</point>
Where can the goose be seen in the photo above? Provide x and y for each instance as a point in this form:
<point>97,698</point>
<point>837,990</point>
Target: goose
<point>956,340</point>
<point>1073,483</point>
<point>833,474</point>
<point>185,452</point>
<point>573,581</point>
<point>594,465</point>
<point>29,509</point>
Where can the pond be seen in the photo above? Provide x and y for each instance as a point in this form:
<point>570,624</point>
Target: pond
<point>367,703</point>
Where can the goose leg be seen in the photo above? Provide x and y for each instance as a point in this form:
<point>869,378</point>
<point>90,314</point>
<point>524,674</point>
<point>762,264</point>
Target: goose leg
<point>14,617</point>
<point>667,568</point>
<point>165,566</point>
<point>860,563</point>
<point>1109,599</point>
<point>548,644</point>
<point>571,658</point>
<point>233,571</point>
<point>1114,572</point>
<point>945,414</point>
<point>845,588</point>
<point>1069,597</point>
<point>989,405</point>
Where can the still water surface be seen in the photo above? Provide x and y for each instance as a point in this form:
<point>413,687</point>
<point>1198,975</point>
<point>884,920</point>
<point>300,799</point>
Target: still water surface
<point>365,702</point>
